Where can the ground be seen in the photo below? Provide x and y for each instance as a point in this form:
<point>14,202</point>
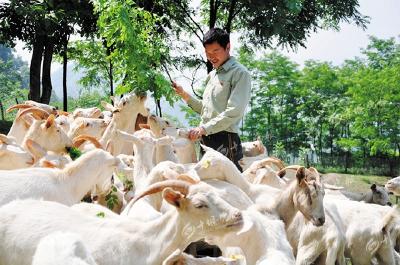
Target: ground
<point>356,183</point>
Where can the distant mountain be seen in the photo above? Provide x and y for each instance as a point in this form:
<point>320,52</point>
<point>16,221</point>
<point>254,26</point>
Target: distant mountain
<point>72,80</point>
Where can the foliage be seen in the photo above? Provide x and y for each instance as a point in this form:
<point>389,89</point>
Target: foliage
<point>112,198</point>
<point>128,184</point>
<point>279,151</point>
<point>13,80</point>
<point>74,153</point>
<point>138,49</point>
<point>44,27</point>
<point>86,99</point>
<point>348,114</point>
<point>190,115</point>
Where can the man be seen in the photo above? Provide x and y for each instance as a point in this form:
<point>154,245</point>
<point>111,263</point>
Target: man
<point>225,98</point>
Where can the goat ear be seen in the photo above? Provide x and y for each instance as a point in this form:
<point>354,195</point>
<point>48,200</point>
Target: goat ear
<point>165,140</point>
<point>107,106</point>
<point>172,197</point>
<point>187,178</point>
<point>110,147</point>
<point>144,126</point>
<point>206,148</point>
<point>50,121</point>
<point>301,174</point>
<point>35,149</point>
<point>48,164</point>
<point>281,173</point>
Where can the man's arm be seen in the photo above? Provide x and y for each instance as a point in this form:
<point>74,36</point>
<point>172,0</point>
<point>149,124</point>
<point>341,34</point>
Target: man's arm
<point>194,103</point>
<point>237,102</point>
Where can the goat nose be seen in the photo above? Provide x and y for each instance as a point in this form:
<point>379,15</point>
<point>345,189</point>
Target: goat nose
<point>389,203</point>
<point>238,215</point>
<point>321,220</point>
<point>68,148</point>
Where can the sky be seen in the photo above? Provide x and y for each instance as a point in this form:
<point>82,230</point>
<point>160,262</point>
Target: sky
<point>335,46</point>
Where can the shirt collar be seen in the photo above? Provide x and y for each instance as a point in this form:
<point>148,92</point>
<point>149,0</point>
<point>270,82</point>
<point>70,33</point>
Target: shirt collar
<point>228,64</point>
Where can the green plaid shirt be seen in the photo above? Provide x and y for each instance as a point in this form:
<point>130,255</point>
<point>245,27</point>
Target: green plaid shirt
<point>225,98</point>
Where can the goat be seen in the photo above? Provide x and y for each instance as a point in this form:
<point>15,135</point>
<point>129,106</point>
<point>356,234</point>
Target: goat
<point>254,148</point>
<point>48,135</point>
<point>62,249</point>
<point>197,213</point>
<point>67,186</point>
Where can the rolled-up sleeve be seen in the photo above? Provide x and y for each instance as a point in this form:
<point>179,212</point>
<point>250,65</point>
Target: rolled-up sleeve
<point>195,104</point>
<point>236,105</point>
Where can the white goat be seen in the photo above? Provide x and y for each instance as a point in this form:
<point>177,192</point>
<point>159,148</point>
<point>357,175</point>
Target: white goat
<point>87,126</point>
<point>62,249</point>
<point>263,238</point>
<point>49,135</point>
<point>67,186</point>
<point>246,161</point>
<point>179,257</point>
<point>93,112</point>
<point>367,233</point>
<point>254,148</point>
<point>22,121</point>
<point>125,112</point>
<point>393,185</point>
<point>122,241</point>
<point>182,149</point>
<point>13,156</point>
<point>144,145</point>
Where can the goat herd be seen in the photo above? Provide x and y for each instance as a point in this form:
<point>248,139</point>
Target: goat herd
<point>163,198</point>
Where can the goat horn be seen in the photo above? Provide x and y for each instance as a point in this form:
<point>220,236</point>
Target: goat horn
<point>281,173</point>
<point>63,113</point>
<point>277,161</point>
<point>79,140</point>
<point>37,113</point>
<point>294,167</point>
<point>4,139</point>
<point>18,106</point>
<point>179,185</point>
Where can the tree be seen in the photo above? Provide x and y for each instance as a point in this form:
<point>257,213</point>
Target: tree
<point>138,50</point>
<point>12,79</point>
<point>44,26</point>
<point>270,23</point>
<point>275,100</point>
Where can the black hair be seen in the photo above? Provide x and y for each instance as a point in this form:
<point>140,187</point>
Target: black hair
<point>216,35</point>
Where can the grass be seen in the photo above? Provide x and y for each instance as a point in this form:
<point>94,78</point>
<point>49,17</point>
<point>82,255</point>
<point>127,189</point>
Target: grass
<point>356,183</point>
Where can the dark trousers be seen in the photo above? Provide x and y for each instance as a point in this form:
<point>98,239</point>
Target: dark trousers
<point>226,143</point>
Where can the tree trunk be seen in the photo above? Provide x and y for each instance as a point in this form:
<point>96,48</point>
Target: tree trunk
<point>2,110</point>
<point>110,73</point>
<point>159,107</point>
<point>46,71</point>
<point>231,15</point>
<point>34,73</point>
<point>213,13</point>
<point>65,68</point>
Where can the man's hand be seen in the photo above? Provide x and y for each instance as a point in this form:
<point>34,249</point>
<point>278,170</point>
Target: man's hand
<point>196,133</point>
<point>179,90</point>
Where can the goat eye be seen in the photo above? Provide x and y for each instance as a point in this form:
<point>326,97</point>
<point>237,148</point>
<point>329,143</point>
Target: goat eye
<point>167,122</point>
<point>200,206</point>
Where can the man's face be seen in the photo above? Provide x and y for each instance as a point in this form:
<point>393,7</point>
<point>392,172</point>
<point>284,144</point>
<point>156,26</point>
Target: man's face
<point>216,54</point>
